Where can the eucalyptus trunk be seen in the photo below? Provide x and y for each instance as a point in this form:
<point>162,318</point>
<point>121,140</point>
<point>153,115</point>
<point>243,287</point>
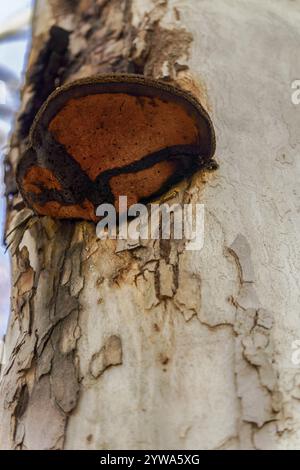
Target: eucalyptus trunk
<point>112,346</point>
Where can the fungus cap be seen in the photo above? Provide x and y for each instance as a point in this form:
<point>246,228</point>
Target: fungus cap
<point>110,135</point>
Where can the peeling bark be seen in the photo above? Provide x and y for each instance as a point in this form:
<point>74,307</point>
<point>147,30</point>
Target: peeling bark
<point>109,355</point>
<point>113,344</point>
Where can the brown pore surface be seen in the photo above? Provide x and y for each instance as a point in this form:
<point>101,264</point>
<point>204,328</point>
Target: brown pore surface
<point>84,211</point>
<point>111,130</point>
<point>37,177</point>
<point>136,185</point>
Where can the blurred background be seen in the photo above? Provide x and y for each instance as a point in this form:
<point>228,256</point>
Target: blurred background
<point>15,16</point>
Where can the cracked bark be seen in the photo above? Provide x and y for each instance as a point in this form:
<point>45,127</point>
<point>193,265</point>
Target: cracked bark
<point>146,345</point>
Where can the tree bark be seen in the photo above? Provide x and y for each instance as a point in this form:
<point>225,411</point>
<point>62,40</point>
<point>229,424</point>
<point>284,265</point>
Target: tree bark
<point>114,347</point>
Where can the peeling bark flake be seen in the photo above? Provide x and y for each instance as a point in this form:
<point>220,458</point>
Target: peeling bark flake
<point>109,355</point>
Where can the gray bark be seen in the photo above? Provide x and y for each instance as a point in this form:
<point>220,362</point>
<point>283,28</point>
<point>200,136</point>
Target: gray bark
<point>157,347</point>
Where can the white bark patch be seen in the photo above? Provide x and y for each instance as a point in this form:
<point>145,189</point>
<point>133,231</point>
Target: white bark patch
<point>241,249</point>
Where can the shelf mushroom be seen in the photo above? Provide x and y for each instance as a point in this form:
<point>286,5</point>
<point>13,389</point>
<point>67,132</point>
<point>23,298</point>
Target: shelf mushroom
<point>101,137</point>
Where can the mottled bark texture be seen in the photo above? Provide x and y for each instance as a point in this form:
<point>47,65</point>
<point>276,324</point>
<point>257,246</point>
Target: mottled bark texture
<point>113,345</point>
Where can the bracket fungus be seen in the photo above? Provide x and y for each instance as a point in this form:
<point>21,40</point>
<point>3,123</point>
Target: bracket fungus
<point>110,135</point>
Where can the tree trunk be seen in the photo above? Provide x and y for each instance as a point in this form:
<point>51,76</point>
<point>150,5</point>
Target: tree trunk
<point>114,347</point>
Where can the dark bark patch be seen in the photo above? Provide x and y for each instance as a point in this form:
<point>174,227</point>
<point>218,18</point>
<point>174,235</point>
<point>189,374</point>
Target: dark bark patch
<point>109,355</point>
<point>64,382</point>
<point>43,421</point>
<point>22,402</point>
<point>45,75</point>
